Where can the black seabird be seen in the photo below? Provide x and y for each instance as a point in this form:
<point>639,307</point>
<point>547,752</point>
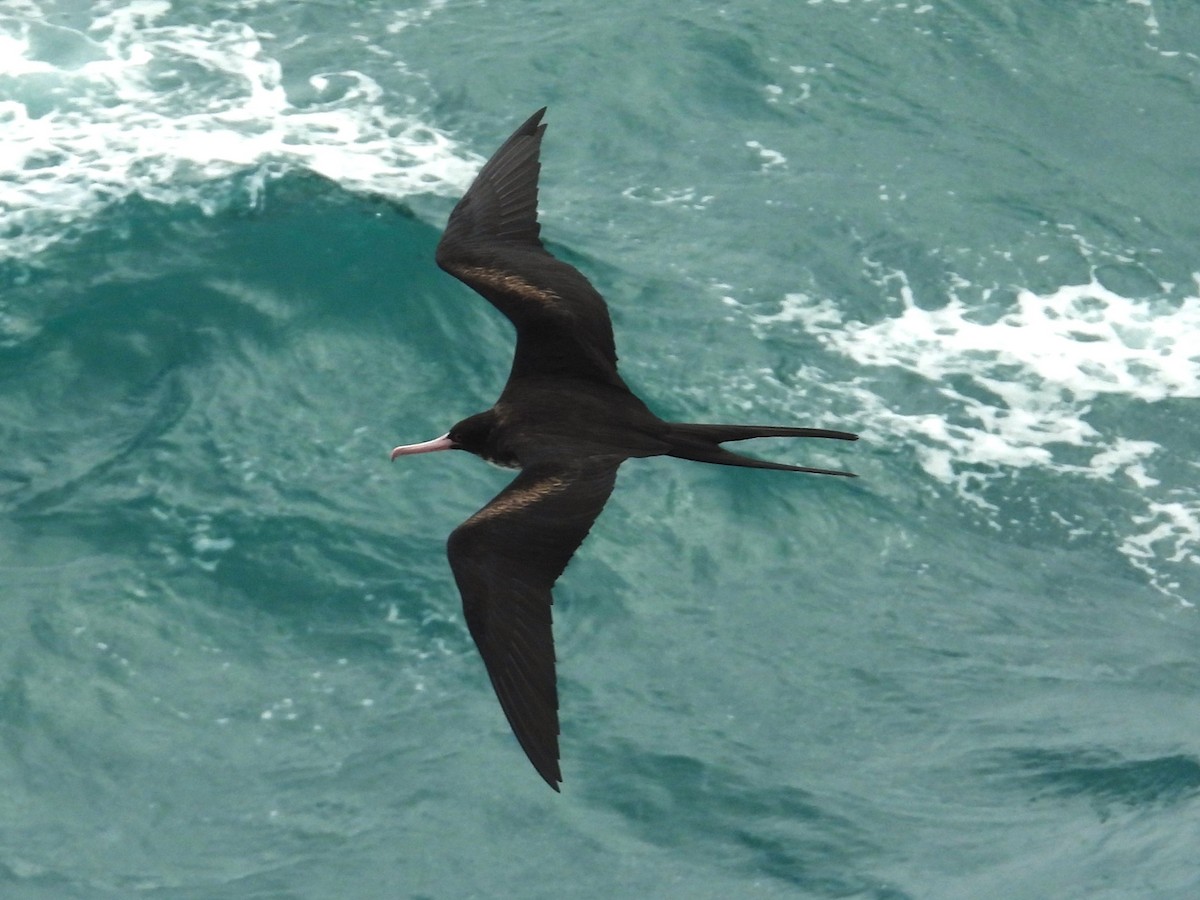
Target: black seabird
<point>566,419</point>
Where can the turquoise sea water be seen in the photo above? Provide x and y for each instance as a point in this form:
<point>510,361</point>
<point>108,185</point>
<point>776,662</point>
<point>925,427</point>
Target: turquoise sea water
<point>232,662</point>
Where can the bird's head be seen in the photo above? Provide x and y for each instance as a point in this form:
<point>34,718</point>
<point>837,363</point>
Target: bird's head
<point>475,434</point>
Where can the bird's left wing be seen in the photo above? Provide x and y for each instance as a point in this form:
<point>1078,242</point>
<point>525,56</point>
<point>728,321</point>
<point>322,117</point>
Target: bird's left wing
<point>492,243</point>
<point>506,559</point>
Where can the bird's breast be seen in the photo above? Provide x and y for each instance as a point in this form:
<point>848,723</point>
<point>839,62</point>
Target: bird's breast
<point>500,459</point>
<point>540,418</point>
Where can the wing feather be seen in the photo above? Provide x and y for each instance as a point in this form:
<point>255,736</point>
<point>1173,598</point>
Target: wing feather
<point>493,244</point>
<point>506,559</point>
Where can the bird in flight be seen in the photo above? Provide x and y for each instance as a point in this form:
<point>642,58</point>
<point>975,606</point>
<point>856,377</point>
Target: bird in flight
<point>565,419</point>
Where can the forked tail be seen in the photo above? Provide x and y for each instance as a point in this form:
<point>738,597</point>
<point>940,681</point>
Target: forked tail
<point>702,443</point>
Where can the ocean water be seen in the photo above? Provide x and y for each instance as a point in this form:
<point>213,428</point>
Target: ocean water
<point>233,663</point>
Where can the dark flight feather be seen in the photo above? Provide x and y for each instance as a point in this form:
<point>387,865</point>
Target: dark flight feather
<point>505,560</point>
<point>492,243</point>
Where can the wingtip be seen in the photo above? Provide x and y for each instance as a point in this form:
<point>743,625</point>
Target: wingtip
<point>549,769</point>
<point>533,122</point>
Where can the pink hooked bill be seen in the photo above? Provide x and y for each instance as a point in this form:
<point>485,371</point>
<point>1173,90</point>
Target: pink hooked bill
<point>441,443</point>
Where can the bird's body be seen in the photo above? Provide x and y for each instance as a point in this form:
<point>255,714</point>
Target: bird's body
<point>565,419</point>
<point>537,415</point>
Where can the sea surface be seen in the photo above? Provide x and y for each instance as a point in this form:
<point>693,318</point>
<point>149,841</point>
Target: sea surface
<point>233,662</point>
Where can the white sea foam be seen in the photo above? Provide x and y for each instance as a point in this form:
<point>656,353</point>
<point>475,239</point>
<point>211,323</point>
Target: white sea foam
<point>1020,389</point>
<point>1039,366</point>
<point>1151,17</point>
<point>687,197</point>
<point>136,105</point>
<point>770,158</point>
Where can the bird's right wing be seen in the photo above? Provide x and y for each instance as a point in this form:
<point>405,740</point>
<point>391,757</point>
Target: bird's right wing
<point>492,243</point>
<point>506,559</point>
